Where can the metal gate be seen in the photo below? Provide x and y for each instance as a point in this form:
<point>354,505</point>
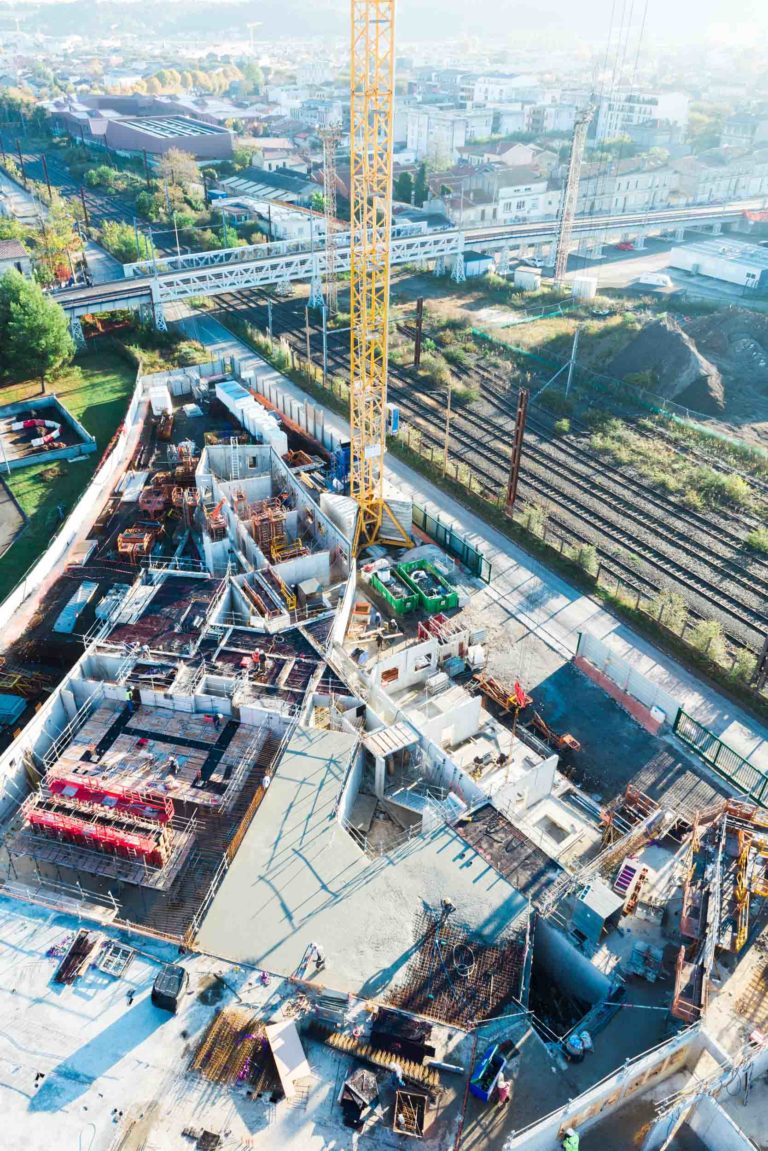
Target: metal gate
<point>454,543</point>
<point>744,776</point>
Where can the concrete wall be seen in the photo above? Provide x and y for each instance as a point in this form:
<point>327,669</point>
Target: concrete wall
<point>608,1095</point>
<point>574,973</point>
<point>414,665</point>
<point>716,1129</point>
<point>629,681</point>
<point>316,565</point>
<point>457,725</point>
<point>532,785</point>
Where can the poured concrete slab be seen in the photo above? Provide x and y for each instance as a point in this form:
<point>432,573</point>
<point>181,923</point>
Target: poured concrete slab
<point>298,878</point>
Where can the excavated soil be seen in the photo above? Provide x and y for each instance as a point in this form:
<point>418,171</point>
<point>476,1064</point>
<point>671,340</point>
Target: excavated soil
<point>680,372</point>
<point>736,340</point>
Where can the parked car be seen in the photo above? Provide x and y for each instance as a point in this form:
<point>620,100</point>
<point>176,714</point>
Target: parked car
<point>626,246</point>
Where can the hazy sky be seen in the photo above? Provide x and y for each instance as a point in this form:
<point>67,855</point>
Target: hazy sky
<point>726,21</point>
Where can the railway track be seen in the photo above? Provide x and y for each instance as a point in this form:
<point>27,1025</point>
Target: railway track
<point>594,502</point>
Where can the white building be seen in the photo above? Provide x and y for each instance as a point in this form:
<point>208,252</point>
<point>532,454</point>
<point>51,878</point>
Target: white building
<point>717,176</point>
<point>628,188</point>
<point>501,89</point>
<point>527,197</point>
<point>733,261</point>
<point>14,257</point>
<point>621,110</point>
<point>436,134</point>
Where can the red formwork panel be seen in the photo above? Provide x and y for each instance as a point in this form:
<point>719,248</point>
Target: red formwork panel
<point>100,837</point>
<point>159,808</point>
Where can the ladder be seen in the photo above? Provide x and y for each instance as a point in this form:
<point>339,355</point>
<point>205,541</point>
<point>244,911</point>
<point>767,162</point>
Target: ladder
<point>234,458</point>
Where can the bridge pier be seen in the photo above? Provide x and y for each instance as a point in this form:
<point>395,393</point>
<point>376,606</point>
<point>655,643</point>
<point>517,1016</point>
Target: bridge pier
<point>640,241</point>
<point>439,268</point>
<point>717,228</point>
<point>76,332</point>
<point>315,287</point>
<point>502,268</point>
<point>679,235</point>
<point>458,274</point>
<point>160,321</point>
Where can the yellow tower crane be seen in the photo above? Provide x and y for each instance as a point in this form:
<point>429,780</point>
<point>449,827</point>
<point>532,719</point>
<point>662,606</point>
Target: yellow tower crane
<point>372,83</point>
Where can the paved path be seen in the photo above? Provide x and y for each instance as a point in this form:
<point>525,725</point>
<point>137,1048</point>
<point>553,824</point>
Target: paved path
<point>526,591</point>
<point>29,210</point>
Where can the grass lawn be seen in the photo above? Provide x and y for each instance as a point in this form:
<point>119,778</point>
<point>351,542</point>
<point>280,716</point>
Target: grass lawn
<point>96,389</point>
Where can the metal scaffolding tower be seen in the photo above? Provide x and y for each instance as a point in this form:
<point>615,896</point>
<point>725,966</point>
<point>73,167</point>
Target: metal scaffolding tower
<point>330,137</point>
<point>372,85</point>
<point>571,192</point>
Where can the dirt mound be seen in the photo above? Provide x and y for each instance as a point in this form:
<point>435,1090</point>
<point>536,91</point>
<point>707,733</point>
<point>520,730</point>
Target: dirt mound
<point>672,365</point>
<point>736,339</point>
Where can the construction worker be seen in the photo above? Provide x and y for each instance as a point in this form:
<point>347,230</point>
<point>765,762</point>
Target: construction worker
<point>570,1140</point>
<point>129,700</point>
<point>503,1088</point>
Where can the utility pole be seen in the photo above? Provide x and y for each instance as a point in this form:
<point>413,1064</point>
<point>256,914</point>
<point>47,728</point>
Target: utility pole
<point>330,137</point>
<point>146,168</point>
<point>761,671</point>
<point>85,209</point>
<point>419,331</point>
<point>306,337</point>
<point>45,173</point>
<point>447,426</point>
<point>572,361</point>
<point>21,162</point>
<point>269,320</point>
<point>571,192</point>
<point>517,451</point>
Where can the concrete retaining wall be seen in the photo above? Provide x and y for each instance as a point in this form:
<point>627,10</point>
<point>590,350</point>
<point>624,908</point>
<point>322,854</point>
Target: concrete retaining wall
<point>634,691</point>
<point>606,1096</point>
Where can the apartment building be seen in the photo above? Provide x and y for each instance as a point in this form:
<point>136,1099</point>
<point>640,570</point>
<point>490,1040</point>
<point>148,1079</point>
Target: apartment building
<point>626,187</point>
<point>437,133</point>
<point>620,111</point>
<point>720,175</point>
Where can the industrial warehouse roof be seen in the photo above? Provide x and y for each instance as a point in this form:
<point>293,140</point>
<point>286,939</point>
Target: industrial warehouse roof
<point>169,127</point>
<point>739,251</point>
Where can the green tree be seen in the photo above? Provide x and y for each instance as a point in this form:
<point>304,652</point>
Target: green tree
<point>119,238</point>
<point>670,609</point>
<point>317,202</point>
<point>707,637</point>
<point>404,187</point>
<point>33,330</point>
<point>421,186</point>
<point>11,229</point>
<point>56,242</point>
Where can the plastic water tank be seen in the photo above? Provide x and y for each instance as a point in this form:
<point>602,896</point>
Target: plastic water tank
<point>584,287</point>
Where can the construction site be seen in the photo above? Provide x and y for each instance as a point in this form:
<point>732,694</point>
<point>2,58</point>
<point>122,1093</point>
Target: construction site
<point>302,842</point>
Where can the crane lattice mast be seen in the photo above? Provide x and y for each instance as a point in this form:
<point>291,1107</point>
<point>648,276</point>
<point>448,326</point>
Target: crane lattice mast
<point>571,193</point>
<point>330,136</point>
<point>372,83</point>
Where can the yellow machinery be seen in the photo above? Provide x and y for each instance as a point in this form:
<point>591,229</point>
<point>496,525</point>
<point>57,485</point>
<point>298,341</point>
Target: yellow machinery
<point>372,82</point>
